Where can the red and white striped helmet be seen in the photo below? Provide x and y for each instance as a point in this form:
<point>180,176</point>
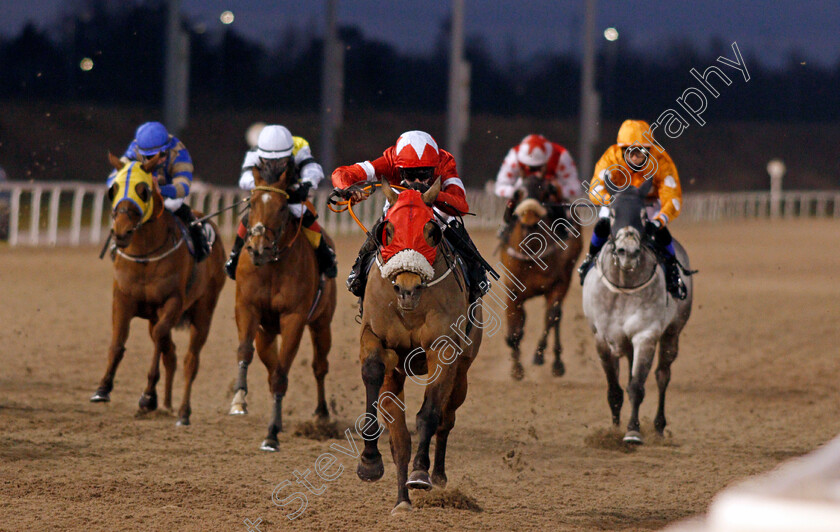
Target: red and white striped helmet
<point>534,150</point>
<point>416,149</point>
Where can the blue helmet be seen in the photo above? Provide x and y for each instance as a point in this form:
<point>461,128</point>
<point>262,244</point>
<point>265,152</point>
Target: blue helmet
<point>151,137</point>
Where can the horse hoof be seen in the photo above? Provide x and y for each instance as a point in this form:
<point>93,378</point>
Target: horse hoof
<point>100,397</point>
<point>439,479</point>
<point>539,359</point>
<point>148,402</point>
<point>401,508</point>
<point>238,410</point>
<point>419,480</point>
<point>269,446</point>
<point>321,414</point>
<point>558,369</point>
<point>370,471</point>
<point>633,436</point>
<point>182,422</point>
<point>517,371</point>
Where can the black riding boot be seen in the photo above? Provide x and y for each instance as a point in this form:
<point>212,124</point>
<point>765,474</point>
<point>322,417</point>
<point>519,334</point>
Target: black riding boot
<point>326,259</point>
<point>357,280</point>
<point>202,248</point>
<point>504,231</point>
<point>673,280</point>
<point>602,233</point>
<point>456,234</point>
<point>233,260</point>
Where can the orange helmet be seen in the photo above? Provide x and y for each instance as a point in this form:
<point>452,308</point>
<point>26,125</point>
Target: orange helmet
<point>534,150</point>
<point>416,149</point>
<point>634,131</point>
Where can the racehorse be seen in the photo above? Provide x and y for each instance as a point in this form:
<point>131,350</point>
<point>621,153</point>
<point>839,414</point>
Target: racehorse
<point>157,279</point>
<point>279,291</point>
<point>548,274</point>
<point>630,310</point>
<point>418,293</point>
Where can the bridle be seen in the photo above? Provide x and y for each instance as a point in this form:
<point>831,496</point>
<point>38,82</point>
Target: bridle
<point>275,251</point>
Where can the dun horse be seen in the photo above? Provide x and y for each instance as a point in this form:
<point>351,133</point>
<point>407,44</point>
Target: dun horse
<point>630,311</point>
<point>156,278</point>
<point>410,303</point>
<point>535,223</point>
<point>279,291</point>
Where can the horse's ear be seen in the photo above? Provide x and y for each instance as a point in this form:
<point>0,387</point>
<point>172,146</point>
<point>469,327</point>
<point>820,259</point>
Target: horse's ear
<point>432,233</point>
<point>258,180</point>
<point>431,195</point>
<point>152,163</point>
<point>115,161</point>
<point>143,191</point>
<point>644,190</point>
<point>389,192</point>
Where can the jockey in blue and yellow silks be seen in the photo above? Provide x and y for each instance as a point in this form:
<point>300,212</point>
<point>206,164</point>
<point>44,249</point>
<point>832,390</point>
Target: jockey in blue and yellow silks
<point>174,175</point>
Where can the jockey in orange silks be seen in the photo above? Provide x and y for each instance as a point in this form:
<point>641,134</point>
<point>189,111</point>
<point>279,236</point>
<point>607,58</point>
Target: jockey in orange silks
<point>633,159</point>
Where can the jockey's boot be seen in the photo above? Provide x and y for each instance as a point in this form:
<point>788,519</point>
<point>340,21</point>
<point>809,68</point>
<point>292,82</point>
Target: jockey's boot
<point>233,260</point>
<point>600,235</point>
<point>588,261</point>
<point>202,248</point>
<point>673,280</point>
<point>357,280</point>
<point>476,273</point>
<point>326,259</point>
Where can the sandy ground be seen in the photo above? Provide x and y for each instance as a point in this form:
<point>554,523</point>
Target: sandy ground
<point>755,384</point>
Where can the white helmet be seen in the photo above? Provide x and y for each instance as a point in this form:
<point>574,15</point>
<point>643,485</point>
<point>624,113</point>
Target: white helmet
<point>534,150</point>
<point>274,142</point>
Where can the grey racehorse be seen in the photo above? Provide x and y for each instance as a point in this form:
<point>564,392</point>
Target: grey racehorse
<point>630,311</point>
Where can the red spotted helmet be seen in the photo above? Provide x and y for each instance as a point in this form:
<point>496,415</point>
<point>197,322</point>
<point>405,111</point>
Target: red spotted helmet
<point>416,149</point>
<point>534,151</point>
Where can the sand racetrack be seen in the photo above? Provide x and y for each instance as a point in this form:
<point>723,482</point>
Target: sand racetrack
<point>755,384</point>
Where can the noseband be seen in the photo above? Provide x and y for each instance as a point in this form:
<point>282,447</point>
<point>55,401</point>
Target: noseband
<point>259,229</point>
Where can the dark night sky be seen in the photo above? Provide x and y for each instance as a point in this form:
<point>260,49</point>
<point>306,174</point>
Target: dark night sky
<point>773,30</point>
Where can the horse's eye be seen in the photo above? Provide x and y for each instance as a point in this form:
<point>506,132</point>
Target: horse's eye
<point>621,251</point>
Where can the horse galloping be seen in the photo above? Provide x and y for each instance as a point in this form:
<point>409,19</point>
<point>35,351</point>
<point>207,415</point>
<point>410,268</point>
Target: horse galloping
<point>547,273</point>
<point>409,307</point>
<point>631,312</point>
<point>157,279</point>
<point>279,291</point>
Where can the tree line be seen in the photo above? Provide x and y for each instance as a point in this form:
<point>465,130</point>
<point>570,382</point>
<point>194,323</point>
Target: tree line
<point>125,43</point>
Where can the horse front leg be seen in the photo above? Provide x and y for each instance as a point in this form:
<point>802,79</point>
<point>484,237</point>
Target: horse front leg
<point>615,395</point>
<point>668,348</point>
<point>321,336</point>
<point>199,329</point>
<point>643,351</point>
<point>459,394</point>
<point>122,310</point>
<point>391,403</point>
<point>160,332</point>
<point>291,327</point>
<point>553,316</point>
<point>370,468</point>
<point>429,418</point>
<point>516,323</point>
<point>246,324</point>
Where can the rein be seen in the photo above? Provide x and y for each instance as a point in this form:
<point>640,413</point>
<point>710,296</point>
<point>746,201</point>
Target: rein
<point>348,205</point>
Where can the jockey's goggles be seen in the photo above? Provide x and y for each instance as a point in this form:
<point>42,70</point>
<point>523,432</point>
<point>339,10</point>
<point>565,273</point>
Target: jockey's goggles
<point>420,173</point>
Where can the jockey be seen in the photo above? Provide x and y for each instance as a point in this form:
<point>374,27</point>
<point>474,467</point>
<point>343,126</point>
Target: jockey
<point>416,162</point>
<point>174,174</point>
<point>276,148</point>
<point>535,155</point>
<point>635,155</point>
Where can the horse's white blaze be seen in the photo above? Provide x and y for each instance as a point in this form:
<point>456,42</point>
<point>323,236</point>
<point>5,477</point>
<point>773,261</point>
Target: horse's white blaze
<point>266,198</point>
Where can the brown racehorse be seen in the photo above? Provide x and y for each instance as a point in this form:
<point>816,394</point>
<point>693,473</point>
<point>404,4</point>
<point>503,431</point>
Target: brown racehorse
<point>279,291</point>
<point>156,278</point>
<point>547,274</point>
<point>406,310</point>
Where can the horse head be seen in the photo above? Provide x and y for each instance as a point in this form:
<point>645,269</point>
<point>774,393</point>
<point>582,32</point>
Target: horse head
<point>628,217</point>
<point>131,192</point>
<point>269,216</point>
<point>408,238</point>
<point>535,192</point>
